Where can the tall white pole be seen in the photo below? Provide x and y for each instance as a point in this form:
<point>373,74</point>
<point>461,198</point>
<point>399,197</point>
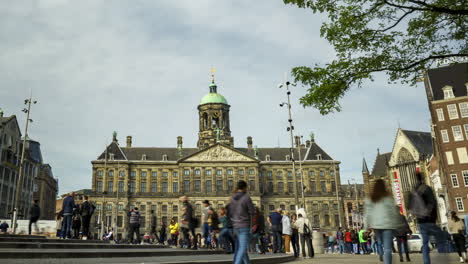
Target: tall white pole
<point>337,196</point>
<point>291,128</point>
<point>20,173</point>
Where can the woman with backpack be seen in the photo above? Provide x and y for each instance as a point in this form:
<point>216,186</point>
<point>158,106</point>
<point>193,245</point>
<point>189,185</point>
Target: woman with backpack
<point>303,226</point>
<point>354,241</point>
<point>382,216</point>
<point>456,228</point>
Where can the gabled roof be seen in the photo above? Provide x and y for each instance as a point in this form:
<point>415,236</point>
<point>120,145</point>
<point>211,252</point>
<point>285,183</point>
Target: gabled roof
<point>453,75</point>
<point>381,164</point>
<point>220,150</point>
<point>422,141</point>
<point>115,149</point>
<point>5,120</point>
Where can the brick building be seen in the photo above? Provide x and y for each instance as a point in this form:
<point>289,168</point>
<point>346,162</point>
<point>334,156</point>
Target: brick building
<point>447,94</point>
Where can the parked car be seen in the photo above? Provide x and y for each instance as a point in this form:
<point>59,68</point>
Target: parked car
<point>414,243</point>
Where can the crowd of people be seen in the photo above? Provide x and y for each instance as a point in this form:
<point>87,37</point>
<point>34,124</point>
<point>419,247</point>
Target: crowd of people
<point>73,220</point>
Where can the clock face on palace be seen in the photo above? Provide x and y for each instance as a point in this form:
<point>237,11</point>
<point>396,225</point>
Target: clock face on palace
<point>215,114</point>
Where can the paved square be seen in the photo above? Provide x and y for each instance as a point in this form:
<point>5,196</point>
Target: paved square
<point>373,259</point>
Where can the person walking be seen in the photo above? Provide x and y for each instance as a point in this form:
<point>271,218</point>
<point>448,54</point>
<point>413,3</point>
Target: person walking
<point>382,216</point>
<point>174,230</point>
<point>287,231</point>
<point>241,212</point>
<point>401,236</point>
<point>189,223</point>
<point>86,211</point>
<point>294,235</point>
<point>423,206</point>
<point>225,235</point>
<point>162,233</point>
<point>303,226</point>
<point>258,231</point>
<point>275,221</point>
<point>68,205</point>
<point>134,223</point>
<point>205,224</point>
<point>456,228</point>
<point>34,214</point>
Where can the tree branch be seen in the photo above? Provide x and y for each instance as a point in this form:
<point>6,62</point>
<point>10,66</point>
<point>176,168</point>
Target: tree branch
<point>439,9</point>
<point>396,23</point>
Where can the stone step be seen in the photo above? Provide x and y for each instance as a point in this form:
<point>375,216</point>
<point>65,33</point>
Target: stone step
<point>20,236</point>
<point>84,245</point>
<point>8,253</point>
<point>51,240</point>
<point>176,259</point>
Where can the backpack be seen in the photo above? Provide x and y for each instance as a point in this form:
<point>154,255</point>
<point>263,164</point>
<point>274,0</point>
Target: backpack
<point>365,236</point>
<point>306,230</point>
<point>417,206</point>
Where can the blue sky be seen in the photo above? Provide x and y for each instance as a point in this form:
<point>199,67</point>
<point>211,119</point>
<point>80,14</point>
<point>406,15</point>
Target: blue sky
<point>141,68</point>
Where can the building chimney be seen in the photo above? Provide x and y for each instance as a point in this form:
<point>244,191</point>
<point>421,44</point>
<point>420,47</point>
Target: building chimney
<point>297,141</point>
<point>129,141</point>
<point>249,142</point>
<point>179,142</point>
<point>307,143</point>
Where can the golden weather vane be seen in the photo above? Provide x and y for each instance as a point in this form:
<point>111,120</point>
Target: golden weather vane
<point>212,74</point>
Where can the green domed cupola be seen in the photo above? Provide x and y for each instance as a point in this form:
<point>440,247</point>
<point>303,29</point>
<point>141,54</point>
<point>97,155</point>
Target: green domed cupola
<point>213,97</point>
<point>213,112</point>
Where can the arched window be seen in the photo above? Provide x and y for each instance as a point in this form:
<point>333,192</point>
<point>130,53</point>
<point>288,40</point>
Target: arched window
<point>205,121</point>
<point>404,156</point>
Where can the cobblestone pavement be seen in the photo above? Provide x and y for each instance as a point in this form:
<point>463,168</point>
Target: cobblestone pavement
<point>373,259</point>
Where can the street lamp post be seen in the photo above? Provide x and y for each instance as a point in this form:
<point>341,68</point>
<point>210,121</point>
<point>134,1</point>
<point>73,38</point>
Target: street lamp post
<point>300,171</point>
<point>20,173</point>
<point>290,129</point>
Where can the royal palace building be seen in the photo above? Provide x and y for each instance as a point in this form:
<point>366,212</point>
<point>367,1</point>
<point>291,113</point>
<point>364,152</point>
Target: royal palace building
<point>153,178</point>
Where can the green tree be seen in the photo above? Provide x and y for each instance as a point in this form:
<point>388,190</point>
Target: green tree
<point>398,37</point>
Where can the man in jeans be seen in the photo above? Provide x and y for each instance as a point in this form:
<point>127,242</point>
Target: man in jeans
<point>241,212</point>
<point>68,205</point>
<point>134,220</point>
<point>205,226</point>
<point>427,220</point>
<point>274,220</point>
<point>340,240</point>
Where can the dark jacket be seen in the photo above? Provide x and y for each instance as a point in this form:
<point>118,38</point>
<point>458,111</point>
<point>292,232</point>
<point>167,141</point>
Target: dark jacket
<point>242,210</point>
<point>68,205</point>
<point>87,209</point>
<point>134,217</point>
<point>35,211</point>
<point>401,232</point>
<point>429,200</point>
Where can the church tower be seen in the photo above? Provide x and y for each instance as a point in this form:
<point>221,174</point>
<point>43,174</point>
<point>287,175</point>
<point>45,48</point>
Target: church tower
<point>213,112</point>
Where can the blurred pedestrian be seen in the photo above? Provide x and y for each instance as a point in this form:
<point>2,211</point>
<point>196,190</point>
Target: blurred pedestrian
<point>134,223</point>
<point>76,224</point>
<point>423,206</point>
<point>305,233</point>
<point>189,223</point>
<point>294,235</point>
<point>382,216</point>
<point>456,228</point>
<point>241,212</point>
<point>363,236</point>
<point>174,230</point>
<point>225,235</point>
<point>68,205</point>
<point>340,240</point>
<point>287,231</point>
<point>86,211</point>
<point>348,241</point>
<point>4,227</point>
<point>162,233</point>
<point>34,214</point>
<point>355,241</point>
<point>274,220</point>
<point>401,236</point>
<point>205,226</point>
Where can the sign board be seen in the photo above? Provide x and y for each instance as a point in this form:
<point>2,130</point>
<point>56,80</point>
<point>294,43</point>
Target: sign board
<point>396,188</point>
